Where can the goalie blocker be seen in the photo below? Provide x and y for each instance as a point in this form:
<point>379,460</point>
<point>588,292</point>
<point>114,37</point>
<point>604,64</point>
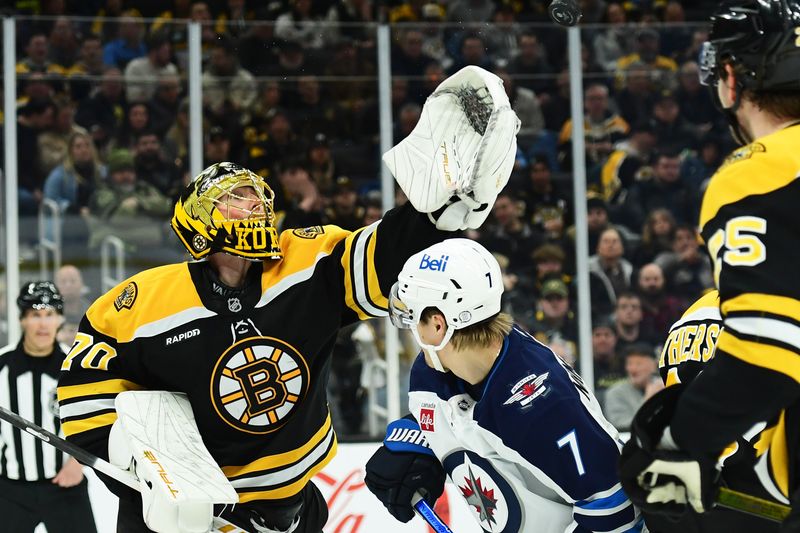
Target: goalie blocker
<point>461,153</point>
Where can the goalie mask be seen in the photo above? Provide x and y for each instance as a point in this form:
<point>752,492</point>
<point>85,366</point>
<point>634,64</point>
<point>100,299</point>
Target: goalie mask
<point>227,208</point>
<point>458,277</point>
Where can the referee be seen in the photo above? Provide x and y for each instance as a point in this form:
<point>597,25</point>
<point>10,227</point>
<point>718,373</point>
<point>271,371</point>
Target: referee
<point>38,484</point>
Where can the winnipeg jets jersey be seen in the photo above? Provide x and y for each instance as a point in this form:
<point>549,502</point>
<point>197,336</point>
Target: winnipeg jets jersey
<point>534,452</point>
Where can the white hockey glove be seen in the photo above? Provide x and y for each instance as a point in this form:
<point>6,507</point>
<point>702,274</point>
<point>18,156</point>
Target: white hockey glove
<point>155,435</point>
<point>461,153</point>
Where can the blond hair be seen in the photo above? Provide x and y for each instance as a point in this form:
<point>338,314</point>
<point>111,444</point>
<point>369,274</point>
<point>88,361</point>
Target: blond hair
<point>477,335</point>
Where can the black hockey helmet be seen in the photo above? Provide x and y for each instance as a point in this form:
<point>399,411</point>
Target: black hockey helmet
<point>40,295</point>
<point>760,38</point>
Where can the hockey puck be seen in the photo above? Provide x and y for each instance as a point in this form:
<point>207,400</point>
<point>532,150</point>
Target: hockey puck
<point>565,12</point>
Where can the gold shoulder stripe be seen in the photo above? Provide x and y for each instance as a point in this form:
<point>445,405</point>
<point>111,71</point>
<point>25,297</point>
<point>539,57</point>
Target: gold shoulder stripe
<point>349,287</point>
<point>74,427</point>
<point>766,356</point>
<point>304,252</point>
<point>776,167</point>
<point>109,386</point>
<point>758,303</point>
<point>159,293</point>
<point>709,299</point>
<point>294,487</point>
<point>281,459</point>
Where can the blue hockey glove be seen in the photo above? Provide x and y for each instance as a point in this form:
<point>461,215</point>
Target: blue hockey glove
<point>658,477</point>
<point>402,466</point>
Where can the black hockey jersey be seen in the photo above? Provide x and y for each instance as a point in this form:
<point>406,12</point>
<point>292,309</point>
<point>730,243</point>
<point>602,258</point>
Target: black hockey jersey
<point>750,224</point>
<point>254,363</point>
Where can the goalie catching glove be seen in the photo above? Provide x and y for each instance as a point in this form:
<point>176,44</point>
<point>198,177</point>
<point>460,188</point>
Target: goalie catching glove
<point>461,153</point>
<point>654,473</point>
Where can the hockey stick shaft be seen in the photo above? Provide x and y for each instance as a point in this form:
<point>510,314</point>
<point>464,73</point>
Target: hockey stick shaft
<point>429,515</point>
<point>91,460</point>
<point>752,505</point>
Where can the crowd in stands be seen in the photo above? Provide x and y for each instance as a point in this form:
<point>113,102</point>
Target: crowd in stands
<point>290,90</point>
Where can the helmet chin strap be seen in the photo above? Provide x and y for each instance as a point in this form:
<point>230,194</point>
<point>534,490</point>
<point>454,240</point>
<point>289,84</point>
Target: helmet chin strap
<point>737,131</point>
<point>431,350</point>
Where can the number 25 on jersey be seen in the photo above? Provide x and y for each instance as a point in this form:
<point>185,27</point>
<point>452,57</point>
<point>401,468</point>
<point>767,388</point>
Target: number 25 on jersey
<point>742,245</point>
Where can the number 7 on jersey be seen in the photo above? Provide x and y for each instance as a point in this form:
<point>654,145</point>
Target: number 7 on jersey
<point>571,439</point>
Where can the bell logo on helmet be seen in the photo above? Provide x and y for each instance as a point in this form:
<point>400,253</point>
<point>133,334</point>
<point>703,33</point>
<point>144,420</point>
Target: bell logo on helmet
<point>437,265</point>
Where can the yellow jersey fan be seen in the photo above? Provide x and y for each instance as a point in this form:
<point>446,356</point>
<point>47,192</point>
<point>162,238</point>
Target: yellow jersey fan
<point>207,222</point>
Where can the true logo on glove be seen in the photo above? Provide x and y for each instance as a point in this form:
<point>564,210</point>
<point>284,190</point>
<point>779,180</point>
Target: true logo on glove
<point>161,472</point>
<point>437,265</point>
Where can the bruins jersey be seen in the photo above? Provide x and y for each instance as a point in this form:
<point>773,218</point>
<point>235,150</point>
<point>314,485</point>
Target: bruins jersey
<point>691,341</point>
<point>254,362</point>
<point>751,226</point>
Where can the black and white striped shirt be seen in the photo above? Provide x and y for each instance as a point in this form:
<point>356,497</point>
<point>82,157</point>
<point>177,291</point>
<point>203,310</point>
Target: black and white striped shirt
<point>28,388</point>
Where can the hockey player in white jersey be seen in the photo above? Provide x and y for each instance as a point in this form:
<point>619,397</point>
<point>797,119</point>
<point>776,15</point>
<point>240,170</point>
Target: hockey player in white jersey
<point>510,423</point>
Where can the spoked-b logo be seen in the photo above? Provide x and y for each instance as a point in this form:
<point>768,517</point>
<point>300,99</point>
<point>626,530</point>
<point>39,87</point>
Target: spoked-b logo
<point>437,265</point>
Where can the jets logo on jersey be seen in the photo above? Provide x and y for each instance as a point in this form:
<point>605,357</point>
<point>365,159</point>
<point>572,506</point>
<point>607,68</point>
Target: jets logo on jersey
<point>489,496</point>
<point>527,390</point>
<point>257,382</point>
<point>127,297</point>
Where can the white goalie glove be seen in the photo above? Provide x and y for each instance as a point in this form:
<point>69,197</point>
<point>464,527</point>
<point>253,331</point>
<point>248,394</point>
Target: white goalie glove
<point>461,153</point>
<point>156,435</point>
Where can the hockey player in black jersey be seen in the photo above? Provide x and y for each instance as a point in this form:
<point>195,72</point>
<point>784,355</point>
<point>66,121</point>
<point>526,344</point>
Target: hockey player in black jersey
<point>749,222</point>
<point>246,332</point>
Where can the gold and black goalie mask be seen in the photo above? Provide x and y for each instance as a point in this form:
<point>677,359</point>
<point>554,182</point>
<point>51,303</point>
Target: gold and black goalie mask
<point>227,208</point>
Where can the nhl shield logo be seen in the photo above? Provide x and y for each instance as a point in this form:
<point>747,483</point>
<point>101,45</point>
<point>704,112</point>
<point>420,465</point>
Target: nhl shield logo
<point>234,305</point>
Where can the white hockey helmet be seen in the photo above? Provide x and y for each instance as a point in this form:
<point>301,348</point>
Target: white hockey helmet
<point>459,277</point>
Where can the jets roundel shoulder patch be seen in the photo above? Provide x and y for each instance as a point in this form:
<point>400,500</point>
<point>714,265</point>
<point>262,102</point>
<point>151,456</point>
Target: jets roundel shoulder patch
<point>257,382</point>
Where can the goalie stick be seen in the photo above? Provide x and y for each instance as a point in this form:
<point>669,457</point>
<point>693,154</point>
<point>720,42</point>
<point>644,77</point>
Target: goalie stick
<point>95,463</point>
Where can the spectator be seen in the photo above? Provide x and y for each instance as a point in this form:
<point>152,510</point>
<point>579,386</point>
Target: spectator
<point>548,261</point>
<point>312,113</point>
<point>352,91</point>
<point>257,46</point>
<point>554,322</point>
<point>624,398</point>
<point>607,364</point>
<point>298,196</point>
<point>676,37</point>
<point>409,61</point>
<point>615,40</point>
<point>609,272</point>
<point>233,19</point>
<point>635,100</point>
<point>433,39</point>
<point>278,144</point>
<point>291,63</point>
<point>624,167</point>
<point>602,128</point>
<point>351,19</point>
<point>270,96</point>
<point>648,43</point>
<point>33,119</point>
<point>301,26</point>
<point>69,281</point>
<point>696,104</point>
<point>658,234</point>
<point>88,68</point>
<point>628,323</point>
<point>502,35</point>
<point>35,87</point>
<point>217,147</point>
<point>130,209</point>
<point>472,51</point>
<point>411,11</point>
<point>666,189</point>
<point>511,235</point>
<point>321,166</point>
<point>128,46</point>
<point>545,205</point>
<point>531,70</point>
<point>63,41</point>
<point>36,57</point>
<point>687,270</point>
<point>470,11</point>
<point>228,89</point>
<point>153,167</point>
<point>163,106</point>
<point>674,132</point>
<point>52,142</point>
<point>176,140</point>
<point>698,167</point>
<point>406,120</point>
<point>72,183</point>
<point>344,210</point>
<point>144,73</point>
<point>525,104</point>
<point>556,104</point>
<point>137,121</point>
<point>373,208</point>
<point>102,113</point>
<point>660,309</point>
